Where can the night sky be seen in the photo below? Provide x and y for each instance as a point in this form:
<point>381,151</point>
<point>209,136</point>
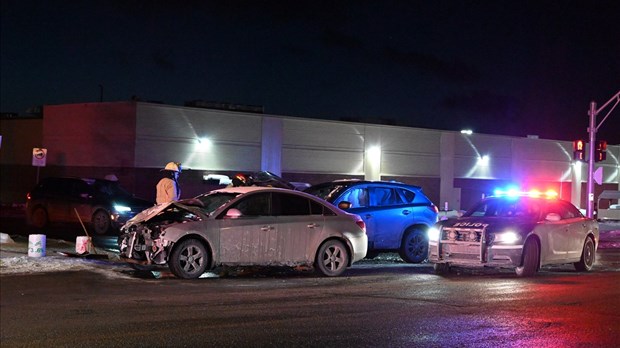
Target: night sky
<point>498,67</point>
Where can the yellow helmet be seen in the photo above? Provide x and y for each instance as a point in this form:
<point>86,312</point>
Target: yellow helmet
<point>173,166</point>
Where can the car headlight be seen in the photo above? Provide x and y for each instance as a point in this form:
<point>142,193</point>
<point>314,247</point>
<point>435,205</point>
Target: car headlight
<point>508,237</point>
<point>122,208</point>
<point>433,234</point>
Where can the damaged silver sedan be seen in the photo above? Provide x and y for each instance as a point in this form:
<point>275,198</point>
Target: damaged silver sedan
<point>245,226</point>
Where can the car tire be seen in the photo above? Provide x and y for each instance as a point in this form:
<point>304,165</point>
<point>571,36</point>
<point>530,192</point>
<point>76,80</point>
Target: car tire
<point>189,259</point>
<point>39,218</point>
<point>587,256</point>
<point>529,262</point>
<point>332,258</point>
<point>441,268</point>
<point>414,248</point>
<point>101,222</point>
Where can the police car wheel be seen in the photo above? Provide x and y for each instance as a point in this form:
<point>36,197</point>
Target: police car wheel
<point>529,265</point>
<point>587,257</point>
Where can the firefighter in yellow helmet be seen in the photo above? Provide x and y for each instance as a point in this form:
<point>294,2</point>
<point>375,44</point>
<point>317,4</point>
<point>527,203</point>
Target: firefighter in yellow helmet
<point>168,188</point>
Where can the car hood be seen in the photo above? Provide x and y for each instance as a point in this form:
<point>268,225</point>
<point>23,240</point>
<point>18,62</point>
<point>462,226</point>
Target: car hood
<point>131,201</point>
<point>492,224</point>
<point>149,213</point>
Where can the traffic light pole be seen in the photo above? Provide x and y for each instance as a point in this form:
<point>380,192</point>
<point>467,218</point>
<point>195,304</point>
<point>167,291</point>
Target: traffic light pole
<point>592,129</point>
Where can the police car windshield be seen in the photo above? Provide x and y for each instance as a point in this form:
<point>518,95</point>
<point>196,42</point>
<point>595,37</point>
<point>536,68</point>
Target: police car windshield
<point>506,207</point>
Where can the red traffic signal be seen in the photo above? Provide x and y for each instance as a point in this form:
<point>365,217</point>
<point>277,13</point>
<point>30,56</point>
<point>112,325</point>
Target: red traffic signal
<point>600,153</point>
<point>579,150</point>
<point>579,145</point>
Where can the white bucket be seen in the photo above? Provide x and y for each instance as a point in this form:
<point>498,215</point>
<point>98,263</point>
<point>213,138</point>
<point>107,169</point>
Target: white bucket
<point>36,245</point>
<point>83,245</point>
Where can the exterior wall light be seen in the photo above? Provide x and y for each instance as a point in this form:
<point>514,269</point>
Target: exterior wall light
<point>374,154</point>
<point>467,132</point>
<point>203,144</point>
<point>483,160</point>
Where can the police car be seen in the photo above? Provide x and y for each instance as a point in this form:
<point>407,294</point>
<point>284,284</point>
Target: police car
<point>520,230</point>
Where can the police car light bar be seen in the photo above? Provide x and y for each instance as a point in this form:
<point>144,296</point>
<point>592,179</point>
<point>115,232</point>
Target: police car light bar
<point>531,193</point>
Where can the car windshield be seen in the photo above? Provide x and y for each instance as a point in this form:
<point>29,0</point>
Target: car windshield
<point>266,178</point>
<point>326,192</point>
<point>213,201</point>
<point>111,188</point>
<point>506,207</point>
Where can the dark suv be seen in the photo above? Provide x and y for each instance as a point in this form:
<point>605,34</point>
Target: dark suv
<point>103,204</point>
<point>397,215</point>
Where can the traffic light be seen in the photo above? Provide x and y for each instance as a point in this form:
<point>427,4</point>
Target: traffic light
<point>579,150</point>
<point>600,153</point>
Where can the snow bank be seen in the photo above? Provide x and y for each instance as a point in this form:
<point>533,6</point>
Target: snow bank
<point>31,265</point>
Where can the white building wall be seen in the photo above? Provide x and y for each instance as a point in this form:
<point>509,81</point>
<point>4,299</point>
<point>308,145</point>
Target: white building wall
<point>271,146</point>
<point>480,156</point>
<point>545,160</point>
<point>327,147</point>
<point>250,142</point>
<point>168,133</point>
<point>410,151</point>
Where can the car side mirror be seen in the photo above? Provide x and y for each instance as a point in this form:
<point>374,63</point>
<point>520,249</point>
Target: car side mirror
<point>553,217</point>
<point>233,213</point>
<point>344,205</point>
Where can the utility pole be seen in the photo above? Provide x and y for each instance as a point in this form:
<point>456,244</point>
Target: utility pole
<point>592,129</point>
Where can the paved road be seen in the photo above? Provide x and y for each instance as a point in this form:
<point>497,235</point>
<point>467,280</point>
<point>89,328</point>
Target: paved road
<point>376,304</point>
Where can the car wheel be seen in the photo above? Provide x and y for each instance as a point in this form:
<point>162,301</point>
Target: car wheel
<point>587,256</point>
<point>39,218</point>
<point>101,222</point>
<point>189,259</point>
<point>332,258</point>
<point>414,248</point>
<point>441,268</point>
<point>529,264</point>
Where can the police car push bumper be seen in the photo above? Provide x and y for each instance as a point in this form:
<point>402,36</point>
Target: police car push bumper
<point>467,244</point>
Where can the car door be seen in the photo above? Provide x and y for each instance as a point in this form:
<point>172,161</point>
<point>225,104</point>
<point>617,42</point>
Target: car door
<point>577,230</point>
<point>358,196</point>
<point>57,199</point>
<point>299,226</point>
<point>389,216</point>
<point>554,235</point>
<point>81,200</point>
<point>243,240</point>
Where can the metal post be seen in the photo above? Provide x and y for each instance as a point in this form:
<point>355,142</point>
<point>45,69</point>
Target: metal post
<point>592,131</point>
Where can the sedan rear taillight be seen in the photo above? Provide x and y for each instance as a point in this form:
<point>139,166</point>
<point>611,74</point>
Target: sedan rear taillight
<point>361,224</point>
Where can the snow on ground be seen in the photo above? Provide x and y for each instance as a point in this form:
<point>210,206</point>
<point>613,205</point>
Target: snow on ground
<point>31,265</point>
<point>14,259</point>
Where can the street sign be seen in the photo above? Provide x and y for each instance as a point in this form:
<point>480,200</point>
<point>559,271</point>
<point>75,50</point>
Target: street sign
<point>38,157</point>
<point>598,176</point>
